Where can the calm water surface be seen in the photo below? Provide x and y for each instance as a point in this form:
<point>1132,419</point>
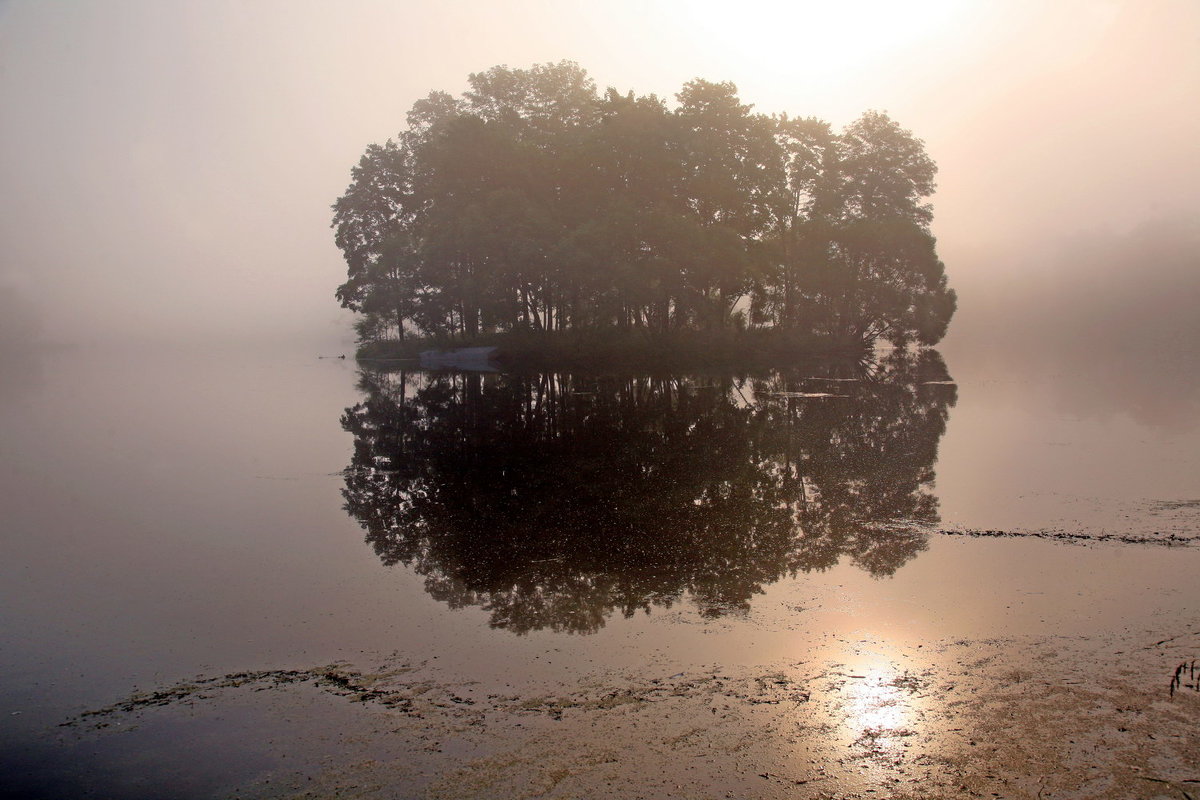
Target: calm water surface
<point>165,517</point>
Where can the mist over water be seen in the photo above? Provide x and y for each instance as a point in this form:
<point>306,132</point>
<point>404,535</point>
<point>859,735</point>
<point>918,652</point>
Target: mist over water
<point>169,169</point>
<point>1109,319</point>
<point>189,490</point>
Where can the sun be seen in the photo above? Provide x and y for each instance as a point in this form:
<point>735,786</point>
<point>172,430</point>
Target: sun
<point>802,48</point>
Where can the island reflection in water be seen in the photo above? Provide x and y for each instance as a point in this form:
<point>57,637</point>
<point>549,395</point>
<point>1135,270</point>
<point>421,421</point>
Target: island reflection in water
<point>554,500</point>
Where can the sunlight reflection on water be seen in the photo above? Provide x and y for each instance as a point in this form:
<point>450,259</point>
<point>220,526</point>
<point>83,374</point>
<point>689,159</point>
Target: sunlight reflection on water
<point>879,701</point>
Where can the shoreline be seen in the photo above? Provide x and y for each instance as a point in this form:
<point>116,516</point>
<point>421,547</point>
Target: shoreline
<point>689,350</point>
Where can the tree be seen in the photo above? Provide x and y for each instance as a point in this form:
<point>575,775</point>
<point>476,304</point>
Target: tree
<point>731,167</point>
<point>807,149</point>
<point>885,173</point>
<point>371,212</point>
<point>533,203</point>
<point>860,261</point>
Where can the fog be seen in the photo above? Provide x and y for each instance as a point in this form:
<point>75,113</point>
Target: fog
<point>1109,317</point>
<point>235,569</point>
<point>168,168</point>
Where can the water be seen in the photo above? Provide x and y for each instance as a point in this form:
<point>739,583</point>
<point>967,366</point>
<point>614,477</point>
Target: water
<point>168,517</point>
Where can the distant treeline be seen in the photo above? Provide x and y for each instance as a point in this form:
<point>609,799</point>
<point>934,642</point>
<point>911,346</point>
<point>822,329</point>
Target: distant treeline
<point>533,203</point>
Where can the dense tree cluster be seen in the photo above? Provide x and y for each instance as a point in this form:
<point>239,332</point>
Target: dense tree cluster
<point>554,500</point>
<point>534,202</point>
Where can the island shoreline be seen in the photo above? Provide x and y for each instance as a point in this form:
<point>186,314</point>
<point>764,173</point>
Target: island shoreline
<point>639,351</point>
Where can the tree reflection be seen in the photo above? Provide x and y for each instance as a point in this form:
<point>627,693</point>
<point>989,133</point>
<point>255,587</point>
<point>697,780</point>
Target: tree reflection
<point>552,500</point>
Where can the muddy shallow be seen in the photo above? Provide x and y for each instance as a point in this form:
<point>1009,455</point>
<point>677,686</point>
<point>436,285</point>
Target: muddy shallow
<point>191,611</point>
<point>1033,716</point>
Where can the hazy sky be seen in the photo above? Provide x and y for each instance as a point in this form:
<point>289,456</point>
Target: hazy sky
<point>168,167</point>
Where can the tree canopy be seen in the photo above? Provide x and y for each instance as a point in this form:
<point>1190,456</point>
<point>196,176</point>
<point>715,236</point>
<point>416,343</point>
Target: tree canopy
<point>534,202</point>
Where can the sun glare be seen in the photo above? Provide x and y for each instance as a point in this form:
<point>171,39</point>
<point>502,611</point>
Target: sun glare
<point>880,702</point>
<point>810,46</point>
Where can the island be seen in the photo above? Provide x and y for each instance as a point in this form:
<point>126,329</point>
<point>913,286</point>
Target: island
<point>564,226</point>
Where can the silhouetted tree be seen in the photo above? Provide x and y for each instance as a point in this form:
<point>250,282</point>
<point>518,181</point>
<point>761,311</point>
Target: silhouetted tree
<point>856,259</point>
<point>534,203</point>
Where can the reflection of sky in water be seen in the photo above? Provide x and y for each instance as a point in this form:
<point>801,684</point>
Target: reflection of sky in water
<point>1009,459</point>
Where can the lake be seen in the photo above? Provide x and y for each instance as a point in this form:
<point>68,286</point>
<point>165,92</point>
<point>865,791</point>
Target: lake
<point>273,575</point>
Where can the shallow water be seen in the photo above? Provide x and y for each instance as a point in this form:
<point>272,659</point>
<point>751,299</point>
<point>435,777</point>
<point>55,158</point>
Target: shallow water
<point>206,514</point>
